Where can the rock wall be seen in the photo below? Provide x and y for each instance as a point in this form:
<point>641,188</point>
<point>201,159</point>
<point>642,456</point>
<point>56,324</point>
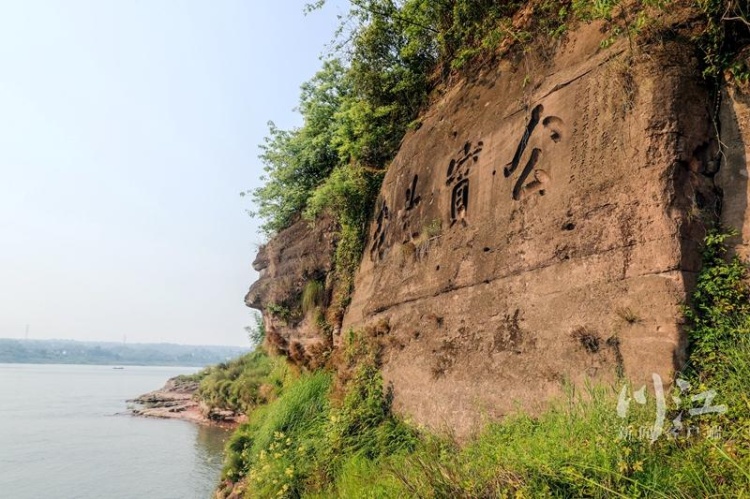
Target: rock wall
<point>297,255</point>
<point>734,123</point>
<point>542,225</point>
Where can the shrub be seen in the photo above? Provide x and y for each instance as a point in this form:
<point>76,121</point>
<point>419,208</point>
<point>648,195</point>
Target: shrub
<point>257,332</point>
<point>242,384</point>
<point>720,310</point>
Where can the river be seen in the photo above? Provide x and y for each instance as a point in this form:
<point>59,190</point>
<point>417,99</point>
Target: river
<point>65,434</point>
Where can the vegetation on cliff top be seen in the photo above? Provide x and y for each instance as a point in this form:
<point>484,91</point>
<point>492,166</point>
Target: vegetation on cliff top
<point>389,55</point>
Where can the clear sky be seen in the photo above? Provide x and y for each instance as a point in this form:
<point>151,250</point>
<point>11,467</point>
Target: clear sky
<point>127,130</point>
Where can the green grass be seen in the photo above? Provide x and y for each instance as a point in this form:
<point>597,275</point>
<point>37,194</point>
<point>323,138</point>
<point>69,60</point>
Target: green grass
<point>303,444</point>
<point>244,383</point>
<point>575,449</point>
<point>313,296</point>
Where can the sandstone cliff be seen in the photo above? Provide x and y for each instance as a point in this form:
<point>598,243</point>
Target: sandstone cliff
<point>300,254</point>
<point>543,224</point>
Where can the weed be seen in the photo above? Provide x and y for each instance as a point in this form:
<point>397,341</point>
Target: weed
<point>588,339</point>
<point>628,315</point>
<point>434,228</point>
<point>313,296</point>
<point>238,385</point>
<point>719,315</point>
<point>279,311</point>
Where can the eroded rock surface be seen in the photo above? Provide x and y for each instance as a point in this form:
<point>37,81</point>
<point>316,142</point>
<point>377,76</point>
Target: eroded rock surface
<point>177,400</point>
<point>535,235</point>
<point>297,255</point>
<point>543,224</point>
<point>734,121</point>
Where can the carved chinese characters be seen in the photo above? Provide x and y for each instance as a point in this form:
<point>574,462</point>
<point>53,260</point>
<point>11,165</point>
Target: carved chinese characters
<point>530,180</point>
<point>378,239</point>
<point>406,215</point>
<point>552,126</point>
<point>401,218</point>
<point>458,177</point>
<point>412,199</point>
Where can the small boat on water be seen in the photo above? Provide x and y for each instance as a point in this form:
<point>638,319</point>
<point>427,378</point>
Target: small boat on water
<point>118,367</point>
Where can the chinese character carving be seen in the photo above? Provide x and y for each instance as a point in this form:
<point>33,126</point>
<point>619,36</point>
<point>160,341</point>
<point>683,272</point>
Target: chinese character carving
<point>406,215</point>
<point>378,239</point>
<point>412,199</point>
<point>553,129</point>
<point>458,177</point>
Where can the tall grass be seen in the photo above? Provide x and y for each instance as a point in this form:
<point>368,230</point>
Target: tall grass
<point>313,296</point>
<point>244,383</point>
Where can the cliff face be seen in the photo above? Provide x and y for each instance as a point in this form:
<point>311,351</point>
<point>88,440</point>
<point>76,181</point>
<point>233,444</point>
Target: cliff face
<point>734,123</point>
<point>542,224</point>
<point>299,254</point>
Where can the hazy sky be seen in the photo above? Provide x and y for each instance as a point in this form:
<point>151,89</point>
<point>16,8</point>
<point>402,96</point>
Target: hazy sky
<point>127,130</point>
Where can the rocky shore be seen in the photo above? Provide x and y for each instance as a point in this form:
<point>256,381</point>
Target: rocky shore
<point>177,400</point>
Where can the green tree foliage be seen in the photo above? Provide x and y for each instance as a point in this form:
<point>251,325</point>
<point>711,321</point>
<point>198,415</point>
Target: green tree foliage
<point>391,53</point>
<point>358,107</point>
<point>297,161</point>
<point>726,33</point>
<point>257,332</point>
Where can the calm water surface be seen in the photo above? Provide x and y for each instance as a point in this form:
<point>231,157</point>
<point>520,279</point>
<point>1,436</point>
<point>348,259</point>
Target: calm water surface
<point>63,435</point>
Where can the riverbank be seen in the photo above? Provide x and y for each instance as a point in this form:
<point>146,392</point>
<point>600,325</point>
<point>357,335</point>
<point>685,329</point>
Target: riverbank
<point>176,400</point>
<point>60,422</point>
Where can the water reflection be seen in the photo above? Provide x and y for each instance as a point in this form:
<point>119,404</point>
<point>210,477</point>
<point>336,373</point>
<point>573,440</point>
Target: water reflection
<point>209,452</point>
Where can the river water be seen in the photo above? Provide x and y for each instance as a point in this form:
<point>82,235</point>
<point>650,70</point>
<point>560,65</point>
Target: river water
<point>64,434</point>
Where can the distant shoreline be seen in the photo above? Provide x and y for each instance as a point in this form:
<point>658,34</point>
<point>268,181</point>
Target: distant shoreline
<point>109,366</point>
<point>67,352</point>
<point>95,364</point>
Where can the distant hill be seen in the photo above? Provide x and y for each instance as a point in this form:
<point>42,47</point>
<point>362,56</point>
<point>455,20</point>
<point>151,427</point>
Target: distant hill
<point>102,353</point>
